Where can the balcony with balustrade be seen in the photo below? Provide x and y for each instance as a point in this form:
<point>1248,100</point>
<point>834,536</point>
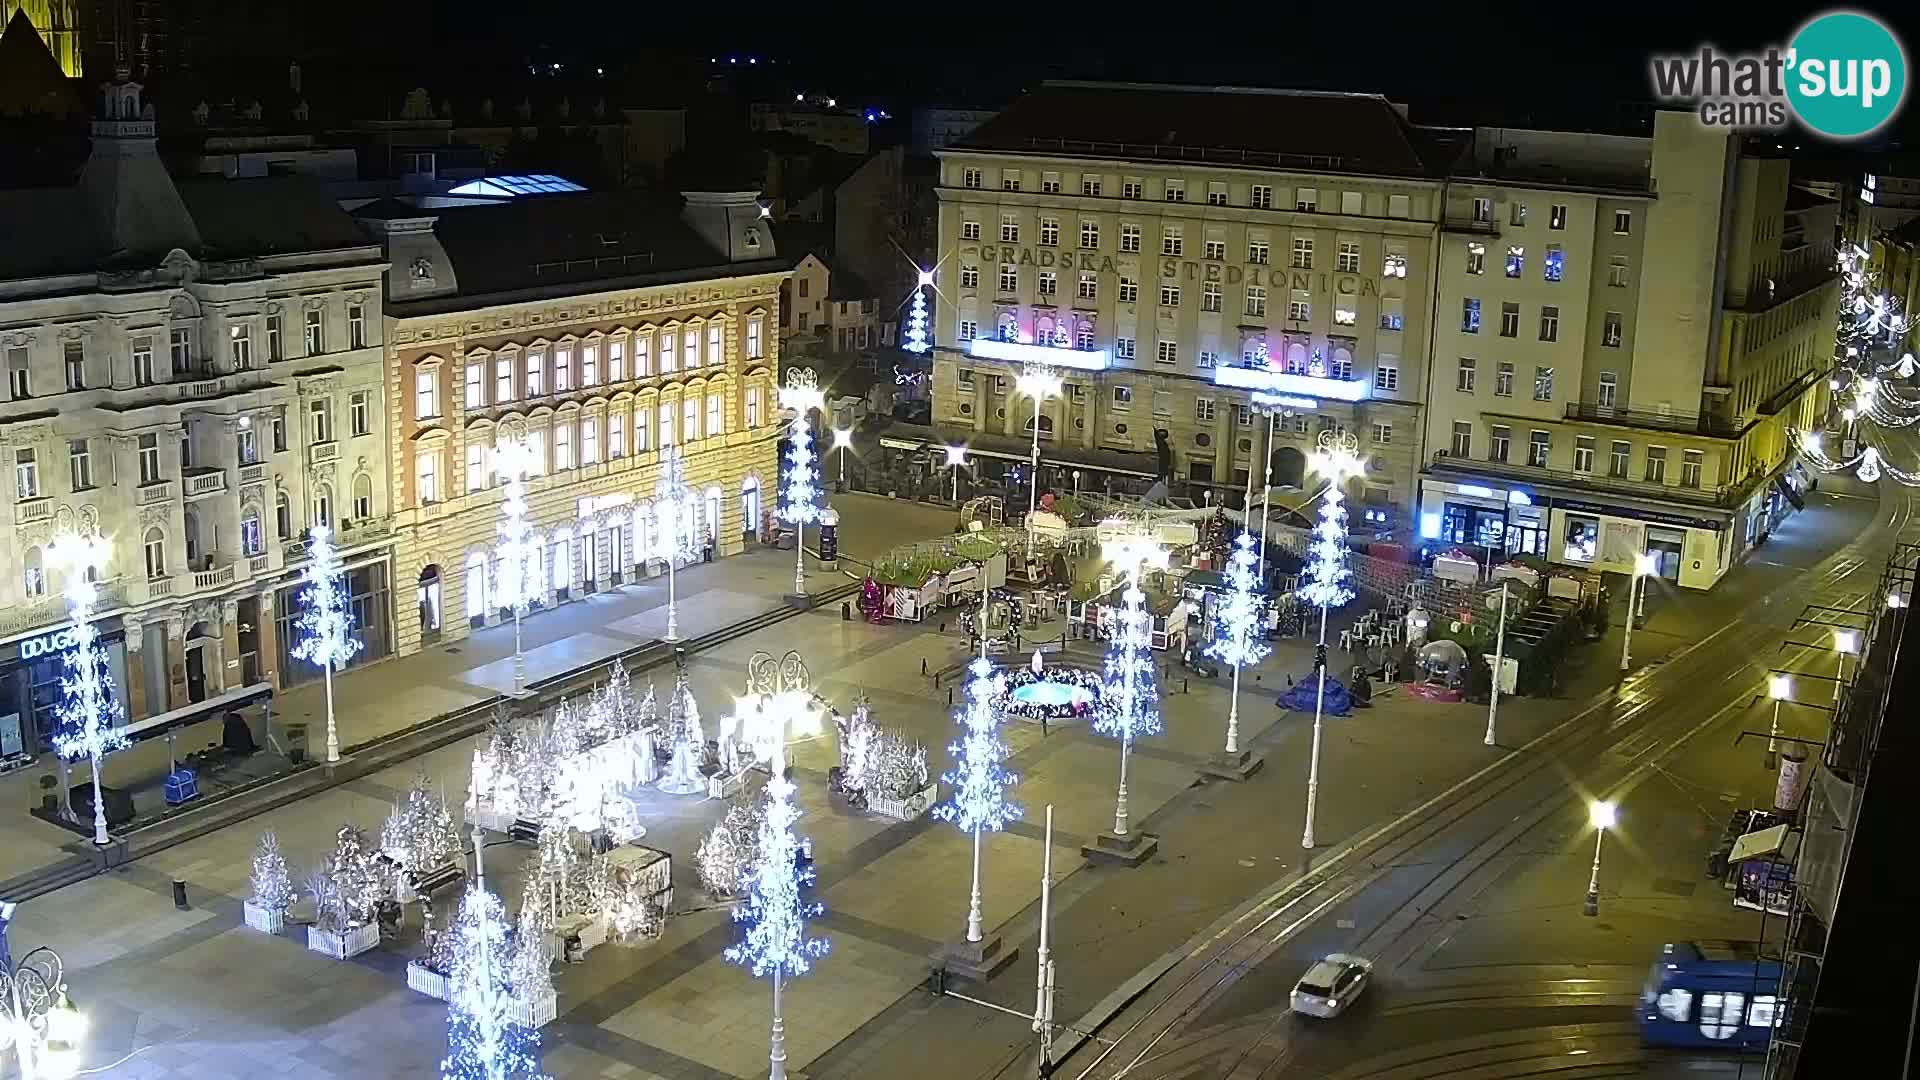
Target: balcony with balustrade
<point>1706,425</point>
<point>200,482</point>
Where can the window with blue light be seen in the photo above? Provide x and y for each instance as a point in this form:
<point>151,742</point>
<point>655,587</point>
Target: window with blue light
<point>1556,263</point>
<point>1516,261</point>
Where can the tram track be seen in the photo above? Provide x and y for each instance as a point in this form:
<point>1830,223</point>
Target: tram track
<point>1628,742</point>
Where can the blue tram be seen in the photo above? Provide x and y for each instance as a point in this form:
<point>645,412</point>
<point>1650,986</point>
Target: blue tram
<point>1711,995</point>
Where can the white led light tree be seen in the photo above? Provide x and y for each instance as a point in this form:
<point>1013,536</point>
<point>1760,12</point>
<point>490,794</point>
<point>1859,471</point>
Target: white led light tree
<point>676,536</point>
<point>1130,697</point>
<point>1328,578</point>
<point>1237,622</point>
<point>89,714</point>
<point>916,340</point>
<point>517,567</point>
<point>483,1042</point>
<point>979,780</point>
<point>325,625</point>
<point>776,942</point>
<point>800,497</point>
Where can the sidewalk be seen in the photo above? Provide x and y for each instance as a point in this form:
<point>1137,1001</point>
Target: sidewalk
<point>394,694</point>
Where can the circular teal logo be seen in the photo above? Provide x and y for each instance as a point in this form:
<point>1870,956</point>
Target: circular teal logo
<point>1847,74</point>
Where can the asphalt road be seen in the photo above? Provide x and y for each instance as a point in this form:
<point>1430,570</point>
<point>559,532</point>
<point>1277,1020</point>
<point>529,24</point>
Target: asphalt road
<point>1470,908</point>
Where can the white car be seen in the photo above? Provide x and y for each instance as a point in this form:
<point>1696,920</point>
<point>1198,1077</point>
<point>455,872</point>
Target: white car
<point>1331,985</point>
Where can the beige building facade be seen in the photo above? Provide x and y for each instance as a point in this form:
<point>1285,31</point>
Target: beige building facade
<point>600,374</point>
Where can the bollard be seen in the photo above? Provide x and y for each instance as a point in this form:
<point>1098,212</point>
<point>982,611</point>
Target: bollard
<point>949,695</point>
<point>923,666</point>
<point>943,626</point>
<point>1184,687</point>
<point>179,894</point>
<point>846,611</point>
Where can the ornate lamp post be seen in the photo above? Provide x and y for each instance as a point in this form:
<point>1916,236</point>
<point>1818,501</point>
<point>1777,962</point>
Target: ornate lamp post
<point>90,716</point>
<point>1273,407</point>
<point>1643,564</point>
<point>41,1022</point>
<point>675,539</point>
<point>956,457</point>
<point>1038,382</point>
<point>1602,814</point>
<point>516,576</point>
<point>1130,692</point>
<point>1337,460</point>
<point>843,442</point>
<point>801,395</point>
<point>326,625</point>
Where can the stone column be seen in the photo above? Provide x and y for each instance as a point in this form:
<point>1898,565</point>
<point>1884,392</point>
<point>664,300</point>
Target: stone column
<point>230,675</point>
<point>134,694</point>
<point>267,633</point>
<point>176,658</point>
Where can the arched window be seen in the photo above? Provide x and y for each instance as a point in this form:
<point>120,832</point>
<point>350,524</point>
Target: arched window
<point>35,572</point>
<point>252,542</point>
<point>712,524</point>
<point>1046,426</point>
<point>282,514</point>
<point>427,598</point>
<point>362,497</point>
<point>750,507</point>
<point>477,586</point>
<point>155,546</point>
<point>323,504</point>
<point>192,521</point>
<point>1009,326</point>
<point>1296,358</point>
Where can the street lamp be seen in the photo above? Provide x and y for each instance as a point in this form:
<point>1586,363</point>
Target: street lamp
<point>518,566</point>
<point>1129,688</point>
<point>91,718</point>
<point>1643,565</point>
<point>800,395</point>
<point>1038,382</point>
<point>41,1022</point>
<point>1273,409</point>
<point>843,442</point>
<point>956,457</point>
<point>1845,643</point>
<point>1499,664</point>
<point>1337,460</point>
<point>1779,688</point>
<point>1602,815</point>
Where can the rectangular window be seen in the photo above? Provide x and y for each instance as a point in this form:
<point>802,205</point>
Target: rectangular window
<point>476,467</point>
<point>589,440</point>
<point>1622,222</point>
<point>589,365</point>
<point>1556,262</point>
<point>1503,379</point>
<point>562,445</point>
<point>320,420</point>
<point>670,348</point>
<point>1129,238</point>
<point>1539,448</point>
<point>1543,384</point>
<point>1169,296</point>
<point>1243,416</point>
<point>1203,410</point>
<point>1009,278</point>
<point>1609,389</point>
<point>1347,261</point>
<point>80,464</point>
<point>1209,296</point>
<point>149,453</point>
<point>1050,183</point>
<point>1399,206</point>
<point>280,429</point>
<point>1123,398</point>
<point>1518,213</point>
<point>316,331</point>
<point>1549,323</point>
<point>358,412</point>
<point>1169,353</point>
<point>537,458</point>
<point>617,360</point>
<point>1258,252</point>
<point>180,349</point>
<point>476,385</point>
<point>426,394</point>
<point>640,417</point>
<point>689,418</point>
<point>1049,283</point>
<point>1133,188</point>
<point>969,329</point>
<point>19,373</point>
<point>1351,202</point>
<point>1260,197</point>
<point>756,336</point>
<point>1516,260</point>
<point>1500,443</point>
<point>1470,315</point>
<point>536,372</point>
<point>1162,404</point>
<point>1618,268</point>
<point>357,326</point>
<point>1123,347</point>
<point>1392,313</point>
<point>1464,376</point>
<point>240,347</point>
<point>969,230</point>
<point>970,178</point>
<point>1386,374</point>
<point>1009,180</point>
<point>246,447</point>
<point>969,277</point>
<point>1216,193</point>
<point>1462,439</point>
<point>1303,253</point>
<point>1690,466</point>
<point>1618,458</point>
<point>1610,330</point>
<point>1214,250</point>
<point>1171,241</point>
<point>1557,216</point>
<point>1129,291</point>
<point>1382,434</point>
<point>276,333</point>
<point>642,355</point>
<point>1656,465</point>
<point>1089,235</point>
<point>1343,314</point>
<point>1306,199</point>
<point>1299,307</point>
<point>616,435</point>
<point>26,475</point>
<point>1583,453</point>
<point>1090,186</point>
<point>1083,337</point>
<point>690,357</point>
<point>502,380</point>
<point>1049,232</point>
<point>1483,211</point>
<point>1509,320</point>
<point>427,476</point>
<point>1009,229</point>
<point>1256,300</point>
<point>1175,191</point>
<point>716,415</point>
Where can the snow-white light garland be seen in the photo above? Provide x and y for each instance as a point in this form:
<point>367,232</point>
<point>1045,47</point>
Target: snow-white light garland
<point>916,337</point>
<point>483,1042</point>
<point>517,568</point>
<point>776,942</point>
<point>1238,627</point>
<point>800,505</point>
<point>326,624</point>
<point>1129,698</point>
<point>978,779</point>
<point>89,714</point>
<point>1338,460</point>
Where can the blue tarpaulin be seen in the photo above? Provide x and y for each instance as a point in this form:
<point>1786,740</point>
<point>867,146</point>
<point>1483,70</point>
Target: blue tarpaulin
<point>1299,697</point>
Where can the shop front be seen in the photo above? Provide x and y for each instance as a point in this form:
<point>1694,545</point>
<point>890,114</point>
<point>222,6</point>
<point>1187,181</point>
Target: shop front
<point>370,605</point>
<point>1501,519</point>
<point>30,672</point>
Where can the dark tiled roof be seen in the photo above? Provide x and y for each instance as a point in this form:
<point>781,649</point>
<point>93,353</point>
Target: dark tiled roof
<point>559,241</point>
<point>1356,133</point>
<point>48,231</point>
<point>275,215</point>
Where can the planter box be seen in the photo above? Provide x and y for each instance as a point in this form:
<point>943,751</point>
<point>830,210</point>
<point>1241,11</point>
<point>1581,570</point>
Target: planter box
<point>537,1013</point>
<point>265,920</point>
<point>725,787</point>
<point>344,946</point>
<point>913,806</point>
<point>426,980</point>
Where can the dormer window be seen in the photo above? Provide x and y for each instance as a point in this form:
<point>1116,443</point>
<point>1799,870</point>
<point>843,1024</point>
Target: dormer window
<point>753,237</point>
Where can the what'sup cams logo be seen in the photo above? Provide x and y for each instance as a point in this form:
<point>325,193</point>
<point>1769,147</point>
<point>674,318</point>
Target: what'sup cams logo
<point>1843,76</point>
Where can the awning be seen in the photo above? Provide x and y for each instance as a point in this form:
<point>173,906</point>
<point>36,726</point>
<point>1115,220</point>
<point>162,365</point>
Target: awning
<point>1756,845</point>
<point>154,726</point>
